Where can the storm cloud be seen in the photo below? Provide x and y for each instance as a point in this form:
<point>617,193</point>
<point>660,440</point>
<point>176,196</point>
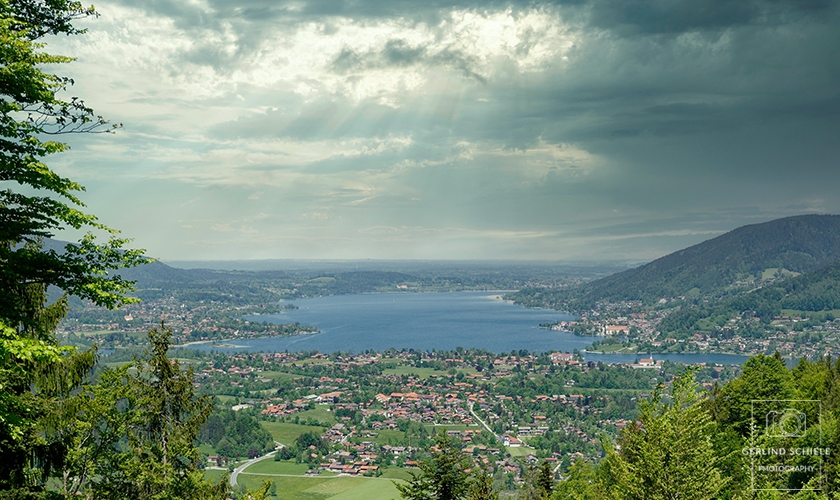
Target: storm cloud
<point>473,130</point>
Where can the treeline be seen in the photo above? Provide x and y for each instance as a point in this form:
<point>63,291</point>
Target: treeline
<point>772,431</point>
<point>236,434</point>
<point>301,449</point>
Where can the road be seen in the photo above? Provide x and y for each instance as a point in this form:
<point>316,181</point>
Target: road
<point>238,470</point>
<point>482,422</point>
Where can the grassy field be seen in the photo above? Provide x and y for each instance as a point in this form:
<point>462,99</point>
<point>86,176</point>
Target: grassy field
<point>386,437</point>
<point>421,372</point>
<point>269,466</point>
<point>214,474</point>
<point>322,488</point>
<point>370,489</point>
<point>286,432</point>
<point>321,414</point>
<point>519,451</point>
<point>398,473</point>
<point>771,272</point>
<point>288,488</point>
<point>307,361</point>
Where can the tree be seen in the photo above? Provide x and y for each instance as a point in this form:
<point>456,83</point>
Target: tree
<point>442,477</point>
<point>764,378</point>
<point>482,487</point>
<point>37,375</point>
<point>29,111</point>
<point>539,483</point>
<point>160,418</point>
<point>581,484</point>
<point>38,378</point>
<point>669,452</point>
<point>545,480</point>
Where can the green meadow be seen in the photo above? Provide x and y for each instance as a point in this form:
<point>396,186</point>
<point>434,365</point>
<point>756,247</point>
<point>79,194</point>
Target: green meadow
<point>422,372</point>
<point>322,488</point>
<point>284,432</point>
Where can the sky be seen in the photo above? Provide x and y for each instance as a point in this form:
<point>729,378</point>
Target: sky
<point>329,129</point>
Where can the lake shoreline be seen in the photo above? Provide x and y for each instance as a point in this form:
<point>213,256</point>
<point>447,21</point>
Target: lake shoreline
<point>430,322</point>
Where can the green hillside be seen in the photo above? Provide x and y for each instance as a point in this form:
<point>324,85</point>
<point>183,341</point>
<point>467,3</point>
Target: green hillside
<point>815,292</point>
<point>730,264</point>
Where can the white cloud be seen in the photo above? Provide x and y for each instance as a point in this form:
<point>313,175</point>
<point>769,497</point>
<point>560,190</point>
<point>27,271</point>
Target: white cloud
<point>144,56</point>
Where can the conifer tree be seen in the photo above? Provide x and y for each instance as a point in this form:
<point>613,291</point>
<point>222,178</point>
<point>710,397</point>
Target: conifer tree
<point>442,477</point>
<point>545,480</point>
<point>160,417</point>
<point>481,485</point>
<point>669,453</point>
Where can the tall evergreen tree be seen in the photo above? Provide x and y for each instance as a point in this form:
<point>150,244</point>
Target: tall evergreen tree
<point>161,418</point>
<point>482,485</point>
<point>669,453</point>
<point>545,480</point>
<point>443,476</point>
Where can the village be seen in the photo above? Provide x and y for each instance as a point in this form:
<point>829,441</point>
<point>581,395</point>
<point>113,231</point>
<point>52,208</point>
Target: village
<point>379,412</point>
<point>793,336</point>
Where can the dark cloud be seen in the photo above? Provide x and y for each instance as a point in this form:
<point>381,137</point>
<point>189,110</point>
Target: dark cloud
<point>645,16</point>
<point>678,16</point>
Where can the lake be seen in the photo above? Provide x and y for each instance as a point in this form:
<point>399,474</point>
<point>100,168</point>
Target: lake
<point>426,321</point>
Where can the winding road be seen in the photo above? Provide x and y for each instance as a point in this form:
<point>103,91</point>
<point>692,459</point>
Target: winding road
<point>238,470</point>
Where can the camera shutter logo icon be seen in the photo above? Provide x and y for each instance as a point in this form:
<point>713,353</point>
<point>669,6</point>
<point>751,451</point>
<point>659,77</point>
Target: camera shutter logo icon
<point>789,422</point>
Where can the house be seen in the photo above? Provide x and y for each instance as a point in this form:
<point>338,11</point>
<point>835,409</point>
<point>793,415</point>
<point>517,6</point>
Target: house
<point>560,357</point>
<point>647,363</point>
<point>511,442</point>
<point>616,330</point>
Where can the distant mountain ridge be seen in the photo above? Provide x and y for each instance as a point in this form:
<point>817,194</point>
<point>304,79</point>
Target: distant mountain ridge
<point>720,266</point>
<point>156,279</point>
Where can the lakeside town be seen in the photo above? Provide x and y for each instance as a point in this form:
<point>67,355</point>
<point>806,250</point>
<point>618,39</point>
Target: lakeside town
<point>793,335</point>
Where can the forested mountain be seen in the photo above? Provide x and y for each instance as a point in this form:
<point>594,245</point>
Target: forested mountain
<point>814,292</point>
<point>727,265</point>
